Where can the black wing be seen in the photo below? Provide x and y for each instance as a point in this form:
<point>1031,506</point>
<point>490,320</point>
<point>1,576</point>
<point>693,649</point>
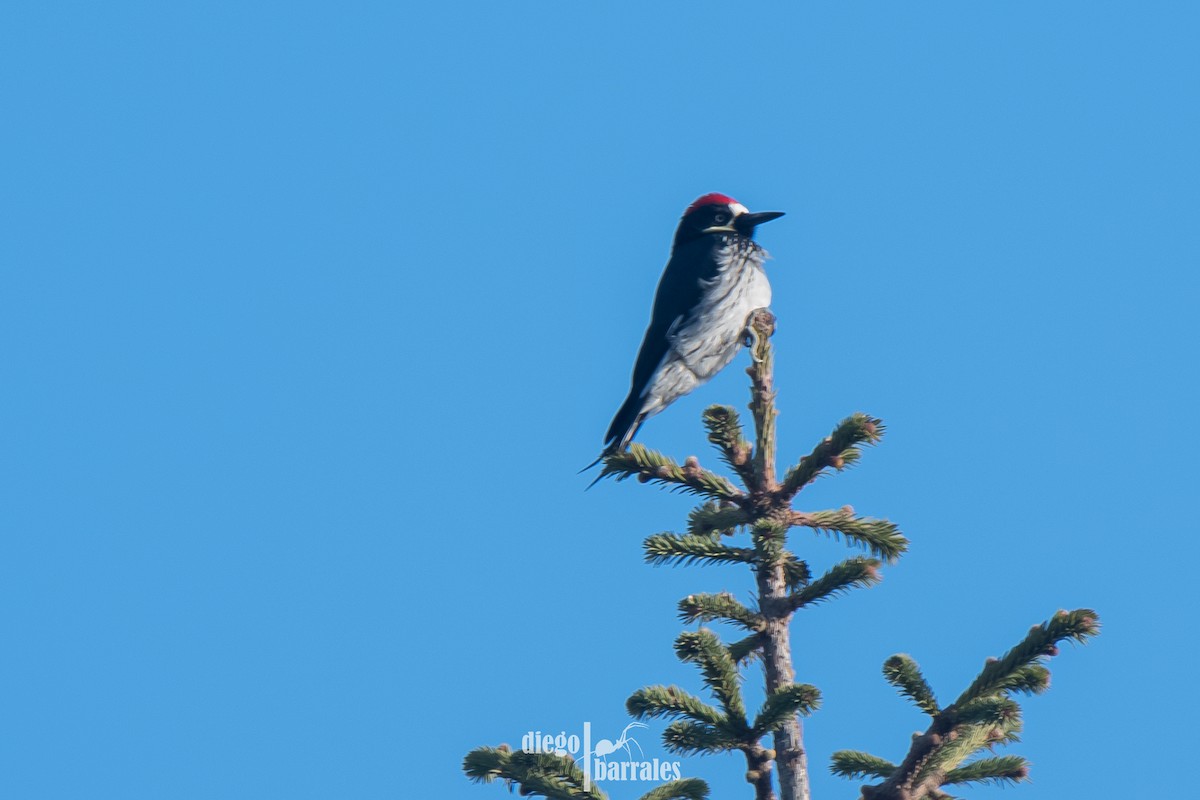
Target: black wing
<point>676,299</point>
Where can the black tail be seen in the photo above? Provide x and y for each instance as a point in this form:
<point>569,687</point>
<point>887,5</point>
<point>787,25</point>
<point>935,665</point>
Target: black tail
<point>624,425</point>
<point>621,431</point>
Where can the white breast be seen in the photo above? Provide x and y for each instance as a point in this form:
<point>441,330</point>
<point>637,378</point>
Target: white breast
<point>712,337</point>
<point>709,339</point>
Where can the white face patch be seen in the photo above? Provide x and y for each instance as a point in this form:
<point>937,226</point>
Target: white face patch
<point>738,209</point>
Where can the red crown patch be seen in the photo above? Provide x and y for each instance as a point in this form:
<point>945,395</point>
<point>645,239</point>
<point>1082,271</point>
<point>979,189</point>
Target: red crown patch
<point>710,199</point>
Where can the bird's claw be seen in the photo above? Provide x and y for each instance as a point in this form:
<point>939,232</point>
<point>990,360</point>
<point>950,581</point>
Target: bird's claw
<point>750,340</point>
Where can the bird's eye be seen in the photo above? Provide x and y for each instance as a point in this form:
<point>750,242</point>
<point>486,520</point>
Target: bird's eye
<point>721,218</point>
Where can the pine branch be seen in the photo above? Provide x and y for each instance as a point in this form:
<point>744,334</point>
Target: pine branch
<point>782,705</point>
<point>718,670</point>
<point>686,789</point>
<point>723,606</point>
<point>663,548</point>
<point>999,770</point>
<point>761,327</point>
<point>983,716</point>
<point>649,466</point>
<point>952,738</point>
<point>840,579</point>
<point>857,764</point>
<point>795,572</point>
<point>966,742</point>
<point>671,702</point>
<point>712,517</point>
<point>902,672</point>
<point>725,431</point>
<point>1042,641</point>
<point>837,451</point>
<point>769,538</point>
<point>1033,679</point>
<point>878,536</point>
<point>993,710</point>
<point>746,650</point>
<point>690,738</point>
<point>545,774</point>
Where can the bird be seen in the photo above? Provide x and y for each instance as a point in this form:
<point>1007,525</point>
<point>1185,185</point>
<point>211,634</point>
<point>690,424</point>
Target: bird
<point>713,280</point>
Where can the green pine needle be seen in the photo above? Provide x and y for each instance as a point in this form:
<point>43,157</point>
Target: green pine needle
<point>649,466</point>
<point>878,536</point>
<point>996,709</point>
<point>723,606</point>
<point>841,578</point>
<point>1033,679</point>
<point>713,518</point>
<point>690,548</point>
<point>691,738</point>
<point>671,702</point>
<point>967,741</point>
<point>839,450</point>
<point>746,650</point>
<point>1041,642</point>
<point>857,764</point>
<point>686,789</point>
<point>902,672</point>
<point>725,431</point>
<point>544,774</point>
<point>718,670</point>
<point>795,572</point>
<point>784,704</point>
<point>770,538</point>
<point>999,770</point>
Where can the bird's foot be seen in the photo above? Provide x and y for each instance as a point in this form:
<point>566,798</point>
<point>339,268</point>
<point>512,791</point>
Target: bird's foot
<point>760,323</point>
<point>750,340</point>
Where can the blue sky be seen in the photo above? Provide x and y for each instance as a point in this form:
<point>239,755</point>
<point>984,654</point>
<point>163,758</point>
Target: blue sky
<point>311,312</point>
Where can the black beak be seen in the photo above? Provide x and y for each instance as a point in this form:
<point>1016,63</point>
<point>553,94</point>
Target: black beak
<point>746,223</point>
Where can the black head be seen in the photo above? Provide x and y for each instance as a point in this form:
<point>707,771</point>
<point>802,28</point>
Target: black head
<point>719,213</point>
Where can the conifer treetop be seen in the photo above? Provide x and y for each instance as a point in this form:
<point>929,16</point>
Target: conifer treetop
<point>749,519</point>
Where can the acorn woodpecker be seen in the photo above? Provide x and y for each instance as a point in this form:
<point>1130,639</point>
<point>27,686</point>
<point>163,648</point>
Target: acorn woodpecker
<point>712,282</point>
